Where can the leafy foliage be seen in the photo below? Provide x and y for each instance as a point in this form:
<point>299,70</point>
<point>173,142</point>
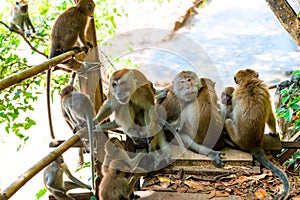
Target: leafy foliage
<point>290,103</point>
<point>18,100</point>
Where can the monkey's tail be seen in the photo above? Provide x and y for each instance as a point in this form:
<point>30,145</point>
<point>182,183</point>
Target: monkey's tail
<point>260,155</point>
<point>49,103</point>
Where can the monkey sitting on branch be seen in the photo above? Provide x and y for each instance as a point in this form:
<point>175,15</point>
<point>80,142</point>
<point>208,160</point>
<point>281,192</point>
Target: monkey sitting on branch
<point>131,99</point>
<point>53,180</point>
<point>20,21</point>
<point>251,111</point>
<point>78,110</point>
<point>191,106</point>
<point>68,29</point>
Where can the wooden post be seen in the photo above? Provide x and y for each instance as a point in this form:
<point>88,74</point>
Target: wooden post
<point>286,17</point>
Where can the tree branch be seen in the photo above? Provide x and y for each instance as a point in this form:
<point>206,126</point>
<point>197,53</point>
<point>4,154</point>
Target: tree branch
<point>26,40</point>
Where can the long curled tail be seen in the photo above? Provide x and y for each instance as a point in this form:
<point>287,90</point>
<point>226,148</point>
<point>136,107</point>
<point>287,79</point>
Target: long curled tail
<point>260,155</point>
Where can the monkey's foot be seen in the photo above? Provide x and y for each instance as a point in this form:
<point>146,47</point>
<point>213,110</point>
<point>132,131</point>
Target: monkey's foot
<point>215,156</point>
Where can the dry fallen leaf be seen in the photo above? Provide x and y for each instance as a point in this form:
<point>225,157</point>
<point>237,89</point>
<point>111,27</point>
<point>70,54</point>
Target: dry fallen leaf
<point>212,194</point>
<point>261,194</point>
<point>222,194</point>
<point>164,179</point>
<point>182,189</point>
<point>194,184</point>
<point>165,184</point>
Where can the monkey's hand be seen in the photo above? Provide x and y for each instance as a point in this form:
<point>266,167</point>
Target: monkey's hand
<point>215,156</point>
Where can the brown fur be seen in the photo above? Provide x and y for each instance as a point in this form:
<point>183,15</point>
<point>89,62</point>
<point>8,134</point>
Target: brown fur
<point>131,97</point>
<point>114,150</point>
<point>251,111</point>
<point>69,28</point>
<point>191,106</point>
<point>117,184</point>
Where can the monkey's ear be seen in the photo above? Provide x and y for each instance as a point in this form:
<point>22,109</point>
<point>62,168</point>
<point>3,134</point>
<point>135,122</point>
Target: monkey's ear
<point>235,80</point>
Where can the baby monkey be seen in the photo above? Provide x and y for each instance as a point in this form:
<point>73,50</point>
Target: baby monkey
<point>114,150</point>
<point>119,181</point>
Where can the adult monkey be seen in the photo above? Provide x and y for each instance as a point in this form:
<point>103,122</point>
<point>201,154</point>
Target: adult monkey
<point>251,111</point>
<point>131,98</point>
<point>53,179</point>
<point>191,105</point>
<point>20,21</point>
<point>69,28</point>
<point>79,110</point>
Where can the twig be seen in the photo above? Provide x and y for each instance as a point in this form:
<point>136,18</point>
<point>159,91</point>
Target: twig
<point>26,40</point>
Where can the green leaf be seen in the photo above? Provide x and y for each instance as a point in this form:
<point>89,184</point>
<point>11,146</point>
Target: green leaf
<point>288,115</point>
<point>285,99</point>
<point>284,91</point>
<point>41,193</point>
<point>296,155</point>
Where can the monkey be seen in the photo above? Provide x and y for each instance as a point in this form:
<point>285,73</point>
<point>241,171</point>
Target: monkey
<point>69,28</point>
<point>251,111</point>
<point>53,179</point>
<point>114,150</point>
<point>190,104</point>
<point>119,180</point>
<point>20,21</point>
<point>79,110</point>
<point>131,99</point>
<point>226,106</point>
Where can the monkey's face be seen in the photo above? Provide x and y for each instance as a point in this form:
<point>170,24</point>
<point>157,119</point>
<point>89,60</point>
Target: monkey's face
<point>226,96</point>
<point>245,74</point>
<point>186,87</point>
<point>87,6</point>
<point>123,88</point>
<point>22,6</point>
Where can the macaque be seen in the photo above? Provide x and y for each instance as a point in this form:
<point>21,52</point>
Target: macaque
<point>119,181</point>
<point>53,180</point>
<point>20,21</point>
<point>251,111</point>
<point>131,98</point>
<point>114,150</point>
<point>226,106</point>
<point>68,29</point>
<point>191,106</point>
<point>79,110</point>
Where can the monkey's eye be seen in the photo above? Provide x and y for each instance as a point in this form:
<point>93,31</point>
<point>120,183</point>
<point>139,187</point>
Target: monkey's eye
<point>90,6</point>
<point>257,74</point>
<point>182,81</point>
<point>114,84</point>
<point>17,3</point>
<point>188,79</point>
